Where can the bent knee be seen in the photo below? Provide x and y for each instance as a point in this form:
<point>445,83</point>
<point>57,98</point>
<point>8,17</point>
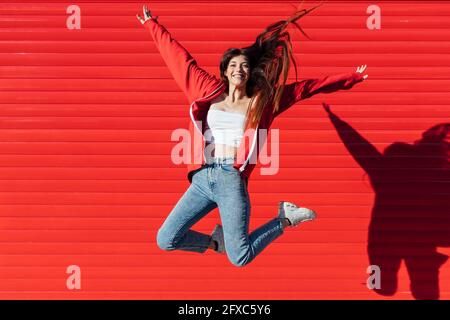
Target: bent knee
<point>241,260</point>
<point>163,241</point>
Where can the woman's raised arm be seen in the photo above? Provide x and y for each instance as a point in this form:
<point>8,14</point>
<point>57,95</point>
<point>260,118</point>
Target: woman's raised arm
<point>194,81</point>
<point>304,89</point>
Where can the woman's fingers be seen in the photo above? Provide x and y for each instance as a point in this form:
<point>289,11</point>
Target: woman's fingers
<point>361,68</point>
<point>147,13</point>
<point>144,12</point>
<point>140,19</point>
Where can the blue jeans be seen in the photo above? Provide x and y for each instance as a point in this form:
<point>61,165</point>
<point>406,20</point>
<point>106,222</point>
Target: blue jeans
<point>217,184</point>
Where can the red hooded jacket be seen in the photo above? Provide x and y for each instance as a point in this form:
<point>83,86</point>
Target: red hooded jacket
<point>201,88</point>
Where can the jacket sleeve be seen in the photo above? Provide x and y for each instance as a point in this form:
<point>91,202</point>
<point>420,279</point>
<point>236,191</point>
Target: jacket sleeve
<point>194,81</point>
<point>304,89</point>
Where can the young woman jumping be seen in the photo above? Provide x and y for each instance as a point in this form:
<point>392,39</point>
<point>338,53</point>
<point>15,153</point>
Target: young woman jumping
<point>249,95</point>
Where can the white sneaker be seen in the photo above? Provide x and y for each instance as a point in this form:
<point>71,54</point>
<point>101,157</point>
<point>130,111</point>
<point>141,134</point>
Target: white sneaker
<point>217,235</point>
<point>295,214</point>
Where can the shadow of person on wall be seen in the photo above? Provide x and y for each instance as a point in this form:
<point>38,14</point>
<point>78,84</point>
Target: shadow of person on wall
<point>411,214</point>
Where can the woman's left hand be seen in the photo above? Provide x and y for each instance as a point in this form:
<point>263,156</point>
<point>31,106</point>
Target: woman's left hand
<point>361,70</point>
<point>147,15</point>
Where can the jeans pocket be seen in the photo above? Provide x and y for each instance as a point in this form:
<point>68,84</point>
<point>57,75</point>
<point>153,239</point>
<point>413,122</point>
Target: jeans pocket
<point>194,173</point>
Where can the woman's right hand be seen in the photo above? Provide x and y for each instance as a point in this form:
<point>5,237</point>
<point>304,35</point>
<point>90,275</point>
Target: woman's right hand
<point>147,15</point>
<point>361,70</point>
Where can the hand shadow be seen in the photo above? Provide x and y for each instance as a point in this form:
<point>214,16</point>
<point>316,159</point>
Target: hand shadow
<point>411,214</point>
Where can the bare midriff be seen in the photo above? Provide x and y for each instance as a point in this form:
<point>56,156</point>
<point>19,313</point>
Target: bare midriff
<point>224,151</point>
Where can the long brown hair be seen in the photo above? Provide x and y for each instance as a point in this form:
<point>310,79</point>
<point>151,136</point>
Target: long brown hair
<point>269,58</point>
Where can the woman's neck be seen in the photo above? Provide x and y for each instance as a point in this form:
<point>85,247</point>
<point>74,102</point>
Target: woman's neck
<point>236,95</point>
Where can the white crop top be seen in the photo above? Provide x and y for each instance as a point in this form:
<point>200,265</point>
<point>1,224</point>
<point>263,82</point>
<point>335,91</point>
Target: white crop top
<point>224,127</point>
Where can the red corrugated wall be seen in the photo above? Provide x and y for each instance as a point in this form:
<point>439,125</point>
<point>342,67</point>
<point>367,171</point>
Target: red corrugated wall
<point>86,177</point>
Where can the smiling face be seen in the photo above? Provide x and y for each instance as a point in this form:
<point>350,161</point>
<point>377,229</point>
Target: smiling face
<point>238,71</point>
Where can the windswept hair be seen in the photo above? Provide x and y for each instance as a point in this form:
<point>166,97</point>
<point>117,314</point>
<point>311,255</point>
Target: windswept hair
<point>269,58</point>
